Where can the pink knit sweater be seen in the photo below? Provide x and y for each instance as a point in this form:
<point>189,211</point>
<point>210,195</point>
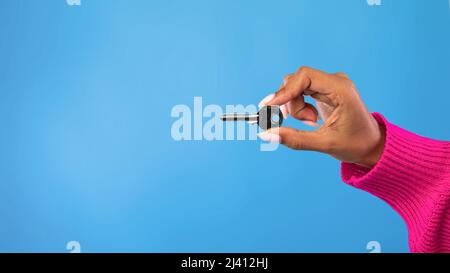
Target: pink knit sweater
<point>413,177</point>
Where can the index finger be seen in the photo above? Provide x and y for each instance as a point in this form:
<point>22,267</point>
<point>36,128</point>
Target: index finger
<point>305,78</point>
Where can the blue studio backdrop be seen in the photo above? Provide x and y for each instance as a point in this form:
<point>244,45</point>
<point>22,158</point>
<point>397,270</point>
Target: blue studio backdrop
<point>86,93</point>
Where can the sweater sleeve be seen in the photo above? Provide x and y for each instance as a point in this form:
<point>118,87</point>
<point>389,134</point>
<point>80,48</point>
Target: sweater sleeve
<point>413,177</point>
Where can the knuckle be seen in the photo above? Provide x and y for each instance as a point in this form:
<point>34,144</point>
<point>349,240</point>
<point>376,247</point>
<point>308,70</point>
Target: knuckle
<point>342,74</point>
<point>348,84</point>
<point>303,70</point>
<point>288,138</point>
<point>297,145</point>
<point>326,144</point>
<point>286,78</point>
<point>297,142</point>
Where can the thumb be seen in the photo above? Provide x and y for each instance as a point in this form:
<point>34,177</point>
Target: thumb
<point>294,139</point>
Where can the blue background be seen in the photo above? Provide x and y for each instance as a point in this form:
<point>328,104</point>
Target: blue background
<point>85,98</point>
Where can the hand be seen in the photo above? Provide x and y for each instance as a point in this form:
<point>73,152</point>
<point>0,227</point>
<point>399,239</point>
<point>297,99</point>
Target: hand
<point>349,132</point>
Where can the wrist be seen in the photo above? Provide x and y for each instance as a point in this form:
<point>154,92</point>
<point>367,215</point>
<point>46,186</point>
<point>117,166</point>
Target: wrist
<point>375,152</point>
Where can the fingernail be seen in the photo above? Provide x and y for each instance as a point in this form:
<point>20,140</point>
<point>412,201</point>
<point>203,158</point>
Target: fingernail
<point>266,100</point>
<point>269,137</point>
<point>310,123</point>
<point>284,111</point>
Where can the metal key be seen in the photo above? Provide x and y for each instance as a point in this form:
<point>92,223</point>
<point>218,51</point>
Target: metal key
<point>266,118</point>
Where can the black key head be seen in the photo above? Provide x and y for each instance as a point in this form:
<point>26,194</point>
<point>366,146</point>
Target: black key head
<point>270,117</point>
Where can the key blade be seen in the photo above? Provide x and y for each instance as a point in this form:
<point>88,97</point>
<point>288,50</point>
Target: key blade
<point>239,117</point>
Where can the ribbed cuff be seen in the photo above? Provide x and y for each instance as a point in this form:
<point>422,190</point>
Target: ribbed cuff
<point>412,177</point>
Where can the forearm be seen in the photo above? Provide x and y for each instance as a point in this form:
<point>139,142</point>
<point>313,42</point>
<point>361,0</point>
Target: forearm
<point>413,177</point>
